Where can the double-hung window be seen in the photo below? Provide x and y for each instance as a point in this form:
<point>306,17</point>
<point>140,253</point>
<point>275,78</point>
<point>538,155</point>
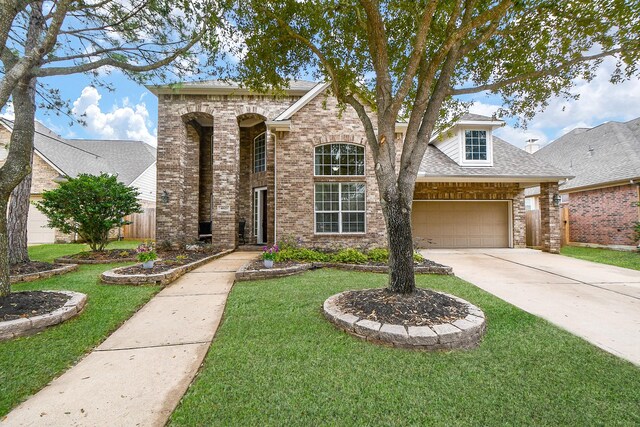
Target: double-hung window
<point>339,206</point>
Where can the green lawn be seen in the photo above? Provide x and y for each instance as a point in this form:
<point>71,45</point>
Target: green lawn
<point>624,259</point>
<point>277,361</point>
<point>49,252</point>
<point>28,364</point>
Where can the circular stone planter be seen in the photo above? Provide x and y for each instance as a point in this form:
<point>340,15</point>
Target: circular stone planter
<point>461,334</point>
<point>30,325</point>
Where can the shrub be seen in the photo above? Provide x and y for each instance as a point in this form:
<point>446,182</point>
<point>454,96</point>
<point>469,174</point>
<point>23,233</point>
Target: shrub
<point>417,257</point>
<point>350,256</point>
<point>378,255</point>
<point>300,254</point>
<point>91,206</point>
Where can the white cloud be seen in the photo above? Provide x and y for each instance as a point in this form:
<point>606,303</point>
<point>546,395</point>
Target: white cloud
<point>8,112</point>
<point>599,102</point>
<point>130,121</point>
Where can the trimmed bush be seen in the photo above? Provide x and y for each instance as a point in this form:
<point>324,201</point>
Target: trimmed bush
<point>378,255</point>
<point>300,254</point>
<point>350,256</point>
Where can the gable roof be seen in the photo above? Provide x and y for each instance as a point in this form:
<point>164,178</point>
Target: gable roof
<point>604,154</point>
<point>509,162</point>
<point>127,159</point>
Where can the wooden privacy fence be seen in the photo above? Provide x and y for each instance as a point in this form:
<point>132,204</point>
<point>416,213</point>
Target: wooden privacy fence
<point>533,224</point>
<point>143,225</point>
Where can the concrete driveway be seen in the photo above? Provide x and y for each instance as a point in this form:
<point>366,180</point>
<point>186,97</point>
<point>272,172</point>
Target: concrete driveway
<point>598,302</point>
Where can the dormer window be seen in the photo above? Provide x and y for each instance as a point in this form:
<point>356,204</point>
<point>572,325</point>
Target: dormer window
<point>475,145</point>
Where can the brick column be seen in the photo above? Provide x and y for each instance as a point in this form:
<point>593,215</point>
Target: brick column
<point>226,154</point>
<point>519,222</point>
<point>549,218</point>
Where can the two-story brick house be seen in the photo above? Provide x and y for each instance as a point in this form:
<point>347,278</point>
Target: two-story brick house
<point>295,164</point>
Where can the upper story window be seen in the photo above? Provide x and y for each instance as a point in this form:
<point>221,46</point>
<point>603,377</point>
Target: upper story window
<point>339,160</point>
<point>260,153</point>
<point>475,145</point>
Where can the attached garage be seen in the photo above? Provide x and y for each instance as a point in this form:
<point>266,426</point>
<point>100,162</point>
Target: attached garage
<point>37,230</point>
<point>462,224</point>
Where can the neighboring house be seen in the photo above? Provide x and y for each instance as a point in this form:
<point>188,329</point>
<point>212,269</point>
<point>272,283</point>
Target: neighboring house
<point>55,157</point>
<point>295,165</point>
<point>605,161</point>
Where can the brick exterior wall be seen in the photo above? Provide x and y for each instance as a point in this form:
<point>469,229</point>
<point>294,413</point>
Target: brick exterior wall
<point>550,218</point>
<point>290,163</point>
<point>481,191</point>
<point>604,216</point>
<point>42,176</point>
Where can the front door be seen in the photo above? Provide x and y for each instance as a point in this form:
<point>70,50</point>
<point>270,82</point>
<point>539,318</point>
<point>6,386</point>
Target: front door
<point>260,215</point>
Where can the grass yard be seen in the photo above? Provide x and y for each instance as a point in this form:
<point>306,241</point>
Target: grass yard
<point>276,361</point>
<point>27,364</point>
<point>51,251</point>
<point>624,259</point>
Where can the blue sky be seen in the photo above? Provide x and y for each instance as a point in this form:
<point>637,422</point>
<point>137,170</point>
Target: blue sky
<point>130,112</point>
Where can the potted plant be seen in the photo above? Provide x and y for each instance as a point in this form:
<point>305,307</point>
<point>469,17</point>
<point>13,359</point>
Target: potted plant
<point>146,254</point>
<point>269,254</point>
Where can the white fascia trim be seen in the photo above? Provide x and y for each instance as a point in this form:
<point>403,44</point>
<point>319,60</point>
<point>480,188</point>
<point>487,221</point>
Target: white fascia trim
<point>4,125</point>
<point>143,172</point>
<point>47,161</point>
<point>306,98</point>
<point>284,125</point>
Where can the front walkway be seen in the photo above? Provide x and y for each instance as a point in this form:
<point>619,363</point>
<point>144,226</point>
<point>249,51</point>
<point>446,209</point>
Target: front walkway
<point>137,376</point>
<point>598,302</point>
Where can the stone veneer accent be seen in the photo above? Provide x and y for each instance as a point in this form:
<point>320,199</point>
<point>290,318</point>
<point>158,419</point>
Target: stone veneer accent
<point>30,325</point>
<point>113,277</point>
<point>461,334</point>
<point>550,218</point>
<point>20,278</point>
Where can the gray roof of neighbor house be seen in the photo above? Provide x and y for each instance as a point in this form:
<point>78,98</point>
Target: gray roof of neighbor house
<point>604,154</point>
<point>127,159</point>
<point>508,162</point>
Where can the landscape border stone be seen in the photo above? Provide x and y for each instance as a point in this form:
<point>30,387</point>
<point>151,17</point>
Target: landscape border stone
<point>30,277</point>
<point>112,277</point>
<point>31,325</point>
<point>460,334</point>
<point>245,273</point>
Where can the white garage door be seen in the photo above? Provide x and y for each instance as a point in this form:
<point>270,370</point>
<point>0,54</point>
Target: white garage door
<point>439,224</point>
<point>37,230</point>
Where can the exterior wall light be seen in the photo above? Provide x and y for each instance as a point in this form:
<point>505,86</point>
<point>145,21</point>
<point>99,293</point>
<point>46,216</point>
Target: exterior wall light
<point>556,200</point>
<point>165,197</point>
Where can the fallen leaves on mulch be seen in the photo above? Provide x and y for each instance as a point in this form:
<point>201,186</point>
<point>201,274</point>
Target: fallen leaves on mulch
<point>30,303</point>
<point>421,308</point>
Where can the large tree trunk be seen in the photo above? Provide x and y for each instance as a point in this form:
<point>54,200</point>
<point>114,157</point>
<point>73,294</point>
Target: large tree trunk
<point>17,166</point>
<point>18,217</point>
<point>398,220</point>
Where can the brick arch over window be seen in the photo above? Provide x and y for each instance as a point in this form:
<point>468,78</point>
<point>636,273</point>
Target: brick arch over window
<point>337,139</point>
<point>194,110</point>
<point>252,110</point>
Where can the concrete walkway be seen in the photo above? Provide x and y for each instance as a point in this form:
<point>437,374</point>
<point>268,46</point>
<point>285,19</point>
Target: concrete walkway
<point>598,302</point>
<point>137,376</point>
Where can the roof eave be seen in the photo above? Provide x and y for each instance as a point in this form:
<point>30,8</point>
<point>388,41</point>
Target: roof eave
<point>489,178</point>
<point>158,90</point>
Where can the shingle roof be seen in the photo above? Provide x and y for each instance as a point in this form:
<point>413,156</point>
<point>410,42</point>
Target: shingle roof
<point>127,159</point>
<point>477,118</point>
<point>508,162</point>
<point>297,86</point>
<point>604,154</point>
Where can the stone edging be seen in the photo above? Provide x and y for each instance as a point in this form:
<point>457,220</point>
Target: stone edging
<point>31,325</point>
<point>69,260</point>
<point>461,334</point>
<point>112,277</point>
<point>244,274</point>
<point>30,277</point>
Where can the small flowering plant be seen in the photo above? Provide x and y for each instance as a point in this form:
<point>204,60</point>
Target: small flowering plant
<point>146,252</point>
<point>269,252</point>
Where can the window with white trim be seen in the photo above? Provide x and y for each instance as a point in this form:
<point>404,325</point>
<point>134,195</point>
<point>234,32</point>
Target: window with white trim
<point>475,145</point>
<point>339,160</point>
<point>260,153</point>
<point>340,207</point>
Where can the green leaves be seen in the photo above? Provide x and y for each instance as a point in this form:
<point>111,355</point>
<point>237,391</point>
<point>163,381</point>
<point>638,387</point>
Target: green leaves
<point>90,206</point>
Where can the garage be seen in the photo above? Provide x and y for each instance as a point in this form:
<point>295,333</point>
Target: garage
<point>37,230</point>
<point>461,224</point>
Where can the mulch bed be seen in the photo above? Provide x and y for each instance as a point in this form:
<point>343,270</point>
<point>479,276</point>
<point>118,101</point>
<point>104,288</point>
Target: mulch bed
<point>259,264</point>
<point>107,255</point>
<point>30,303</point>
<point>169,260</point>
<point>421,308</point>
<point>32,267</point>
